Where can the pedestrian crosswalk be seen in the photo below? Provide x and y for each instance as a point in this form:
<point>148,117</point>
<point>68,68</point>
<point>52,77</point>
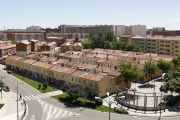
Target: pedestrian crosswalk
<point>35,97</point>
<point>53,112</point>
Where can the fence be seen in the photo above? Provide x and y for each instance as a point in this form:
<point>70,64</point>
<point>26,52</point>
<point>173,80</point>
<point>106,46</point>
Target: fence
<point>141,101</point>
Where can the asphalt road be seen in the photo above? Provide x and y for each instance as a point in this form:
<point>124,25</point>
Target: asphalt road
<point>45,108</point>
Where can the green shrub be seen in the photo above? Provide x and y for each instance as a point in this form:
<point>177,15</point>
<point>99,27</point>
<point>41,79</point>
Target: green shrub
<point>120,111</point>
<point>99,102</point>
<point>45,85</point>
<point>9,72</point>
<point>173,101</point>
<point>39,85</point>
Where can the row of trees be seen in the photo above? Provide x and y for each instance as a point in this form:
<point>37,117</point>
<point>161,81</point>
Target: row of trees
<point>131,72</point>
<point>106,39</point>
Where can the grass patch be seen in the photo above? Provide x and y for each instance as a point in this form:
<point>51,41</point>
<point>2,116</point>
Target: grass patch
<point>34,83</point>
<point>1,105</point>
<point>80,102</point>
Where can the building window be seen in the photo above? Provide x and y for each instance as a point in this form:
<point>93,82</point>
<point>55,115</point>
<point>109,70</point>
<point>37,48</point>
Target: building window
<point>79,80</point>
<point>62,76</point>
<point>106,90</point>
<point>109,89</point>
<point>110,81</point>
<point>96,84</point>
<point>67,77</point>
<point>83,81</point>
<point>76,80</point>
<point>52,73</point>
<point>90,83</point>
<point>57,74</point>
<point>72,79</point>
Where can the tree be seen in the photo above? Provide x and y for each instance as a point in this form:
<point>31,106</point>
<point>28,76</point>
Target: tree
<point>39,85</point>
<point>172,82</point>
<point>92,92</point>
<point>150,68</point>
<point>129,71</point>
<point>75,91</point>
<point>132,47</point>
<point>176,60</point>
<point>87,44</point>
<point>45,85</point>
<point>76,40</point>
<point>164,65</point>
<point>107,45</point>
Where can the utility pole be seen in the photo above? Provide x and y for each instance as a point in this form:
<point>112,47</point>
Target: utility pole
<point>2,85</point>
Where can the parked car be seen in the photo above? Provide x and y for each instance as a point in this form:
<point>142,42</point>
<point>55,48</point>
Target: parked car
<point>6,88</point>
<point>2,84</point>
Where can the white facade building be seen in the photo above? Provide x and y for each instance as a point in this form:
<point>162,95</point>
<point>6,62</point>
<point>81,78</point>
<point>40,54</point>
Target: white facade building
<point>33,28</point>
<point>139,30</point>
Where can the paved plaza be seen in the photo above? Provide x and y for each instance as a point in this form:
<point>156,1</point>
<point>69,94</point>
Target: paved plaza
<point>148,88</point>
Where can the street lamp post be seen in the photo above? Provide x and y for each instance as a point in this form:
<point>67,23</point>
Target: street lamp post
<point>154,82</point>
<point>109,103</point>
<point>17,100</point>
<point>2,84</point>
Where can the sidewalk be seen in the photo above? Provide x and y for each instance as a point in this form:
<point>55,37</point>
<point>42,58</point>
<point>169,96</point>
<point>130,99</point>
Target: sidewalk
<point>9,110</point>
<point>54,93</point>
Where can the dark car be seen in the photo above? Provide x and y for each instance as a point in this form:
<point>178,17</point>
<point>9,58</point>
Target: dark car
<point>2,84</point>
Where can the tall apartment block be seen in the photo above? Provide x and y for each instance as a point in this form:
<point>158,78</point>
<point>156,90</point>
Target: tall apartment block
<point>158,44</point>
<point>3,36</point>
<point>68,35</point>
<point>135,30</point>
<point>117,29</point>
<point>18,34</point>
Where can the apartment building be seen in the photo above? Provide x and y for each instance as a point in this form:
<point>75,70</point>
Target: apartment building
<point>23,48</point>
<point>33,28</point>
<point>68,35</point>
<point>125,39</point>
<point>21,34</point>
<point>44,46</point>
<point>135,30</point>
<point>158,44</point>
<point>58,40</point>
<point>7,49</point>
<point>117,29</point>
<point>33,45</point>
<point>3,36</point>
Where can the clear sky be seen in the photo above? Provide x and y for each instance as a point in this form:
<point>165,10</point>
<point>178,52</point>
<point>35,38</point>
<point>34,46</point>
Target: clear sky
<point>19,14</point>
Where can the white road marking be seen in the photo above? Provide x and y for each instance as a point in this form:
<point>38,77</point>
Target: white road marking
<point>37,96</point>
<point>58,113</point>
<point>51,114</point>
<point>41,96</point>
<point>28,97</point>
<point>24,98</point>
<point>64,113</point>
<point>45,107</point>
<point>70,113</point>
<point>33,96</point>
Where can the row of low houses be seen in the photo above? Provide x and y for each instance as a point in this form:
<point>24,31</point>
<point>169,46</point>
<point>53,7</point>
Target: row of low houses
<point>61,71</point>
<point>110,58</point>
